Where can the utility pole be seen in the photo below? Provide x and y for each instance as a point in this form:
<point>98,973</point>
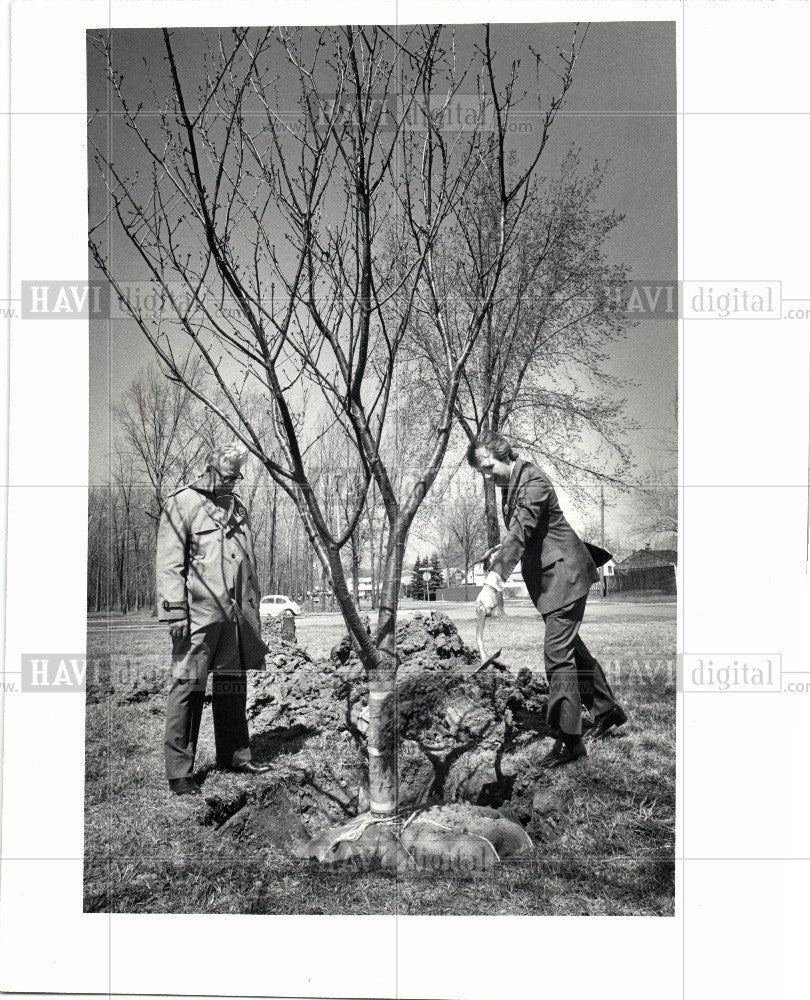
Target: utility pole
<point>602,494</point>
<point>601,570</point>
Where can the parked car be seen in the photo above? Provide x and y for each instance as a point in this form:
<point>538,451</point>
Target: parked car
<point>273,605</point>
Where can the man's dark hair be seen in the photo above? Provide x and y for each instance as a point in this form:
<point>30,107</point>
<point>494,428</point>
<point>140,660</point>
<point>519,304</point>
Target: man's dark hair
<point>496,444</point>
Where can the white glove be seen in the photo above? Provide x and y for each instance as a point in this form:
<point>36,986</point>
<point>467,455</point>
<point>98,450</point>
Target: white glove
<point>487,600</point>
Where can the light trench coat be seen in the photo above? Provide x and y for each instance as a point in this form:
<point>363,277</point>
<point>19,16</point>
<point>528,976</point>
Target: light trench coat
<point>206,565</point>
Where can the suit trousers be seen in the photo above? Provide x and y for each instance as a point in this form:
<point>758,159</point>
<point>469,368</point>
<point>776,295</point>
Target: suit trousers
<point>575,677</point>
<point>213,648</point>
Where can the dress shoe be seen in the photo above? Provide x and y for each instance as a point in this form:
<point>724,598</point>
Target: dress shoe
<point>605,722</point>
<point>562,753</point>
<point>184,786</point>
<point>250,768</point>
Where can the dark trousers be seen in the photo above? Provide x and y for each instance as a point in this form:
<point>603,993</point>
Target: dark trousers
<point>575,678</point>
<point>214,648</point>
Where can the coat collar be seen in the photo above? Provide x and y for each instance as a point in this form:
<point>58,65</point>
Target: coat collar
<point>517,468</point>
<point>509,491</point>
<point>209,482</point>
<point>221,514</point>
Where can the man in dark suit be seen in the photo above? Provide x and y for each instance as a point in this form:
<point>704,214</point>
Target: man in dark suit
<point>558,571</point>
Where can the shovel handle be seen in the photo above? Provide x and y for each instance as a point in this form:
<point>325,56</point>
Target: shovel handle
<point>479,631</point>
<point>486,660</point>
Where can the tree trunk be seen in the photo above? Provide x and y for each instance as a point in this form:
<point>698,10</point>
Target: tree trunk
<point>355,571</point>
<point>378,657</point>
<point>137,571</point>
<point>379,571</point>
<point>271,570</point>
<point>383,736</point>
<point>372,556</point>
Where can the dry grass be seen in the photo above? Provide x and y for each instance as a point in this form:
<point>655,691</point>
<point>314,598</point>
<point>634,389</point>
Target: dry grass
<point>612,852</point>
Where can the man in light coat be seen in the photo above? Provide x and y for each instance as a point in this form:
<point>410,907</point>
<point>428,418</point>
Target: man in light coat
<point>558,571</point>
<point>208,594</point>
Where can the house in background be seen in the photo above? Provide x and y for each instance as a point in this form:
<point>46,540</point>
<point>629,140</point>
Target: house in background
<point>514,586</point>
<point>363,587</point>
<point>651,570</point>
<point>607,579</point>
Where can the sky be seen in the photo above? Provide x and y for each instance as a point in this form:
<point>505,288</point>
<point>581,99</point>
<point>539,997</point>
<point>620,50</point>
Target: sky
<point>619,111</point>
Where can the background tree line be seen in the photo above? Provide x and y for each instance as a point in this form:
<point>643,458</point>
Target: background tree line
<point>163,434</point>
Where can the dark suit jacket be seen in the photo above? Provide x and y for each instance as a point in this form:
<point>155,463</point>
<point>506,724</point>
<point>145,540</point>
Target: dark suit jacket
<point>557,568</point>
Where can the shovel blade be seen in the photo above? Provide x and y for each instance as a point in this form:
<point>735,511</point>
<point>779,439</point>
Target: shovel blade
<point>487,662</point>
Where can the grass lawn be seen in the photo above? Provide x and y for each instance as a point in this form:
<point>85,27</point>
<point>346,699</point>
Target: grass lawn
<point>609,849</point>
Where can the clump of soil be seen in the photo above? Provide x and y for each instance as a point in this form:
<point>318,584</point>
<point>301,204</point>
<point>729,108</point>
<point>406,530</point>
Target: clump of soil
<point>271,817</point>
<point>292,689</point>
<point>135,686</point>
<point>98,682</point>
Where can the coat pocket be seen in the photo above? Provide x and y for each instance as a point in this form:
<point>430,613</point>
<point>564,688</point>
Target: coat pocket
<point>550,555</point>
<point>204,532</point>
<point>200,540</point>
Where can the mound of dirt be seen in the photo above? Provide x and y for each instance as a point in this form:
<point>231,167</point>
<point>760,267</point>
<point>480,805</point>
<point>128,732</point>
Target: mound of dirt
<point>98,682</point>
<point>457,729</point>
<point>292,689</point>
<point>128,679</point>
<point>467,744</point>
<point>452,725</point>
<point>136,686</point>
<point>271,819</point>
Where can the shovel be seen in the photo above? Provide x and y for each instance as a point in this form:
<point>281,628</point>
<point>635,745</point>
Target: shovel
<point>486,660</point>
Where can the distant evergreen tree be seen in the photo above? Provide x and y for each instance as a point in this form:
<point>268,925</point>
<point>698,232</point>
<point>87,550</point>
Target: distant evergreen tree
<point>436,581</point>
<point>416,589</point>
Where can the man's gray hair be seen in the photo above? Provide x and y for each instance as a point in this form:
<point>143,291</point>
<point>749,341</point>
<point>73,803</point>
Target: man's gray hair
<point>231,455</point>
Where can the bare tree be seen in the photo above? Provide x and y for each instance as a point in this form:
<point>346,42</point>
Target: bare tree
<point>162,430</point>
<point>453,521</point>
<point>464,524</point>
<point>656,508</point>
<point>232,200</point>
<point>544,334</point>
<point>124,536</point>
<point>97,547</point>
<point>655,496</point>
